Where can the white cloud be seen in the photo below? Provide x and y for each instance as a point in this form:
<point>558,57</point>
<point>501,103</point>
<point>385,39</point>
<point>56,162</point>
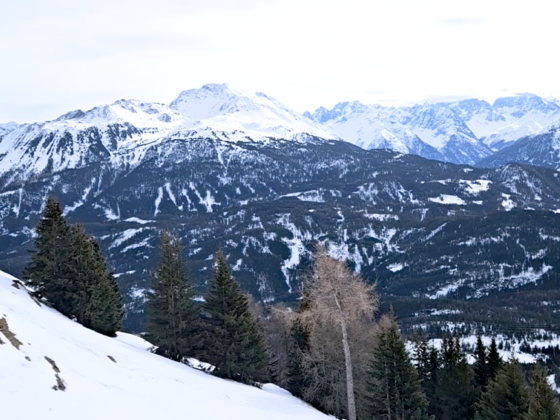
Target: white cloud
<point>62,55</point>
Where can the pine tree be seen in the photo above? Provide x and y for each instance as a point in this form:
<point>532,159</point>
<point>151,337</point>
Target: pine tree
<point>506,397</point>
<point>480,367</point>
<point>47,273</point>
<point>494,360</point>
<point>394,387</point>
<point>232,340</point>
<point>543,403</point>
<point>172,317</point>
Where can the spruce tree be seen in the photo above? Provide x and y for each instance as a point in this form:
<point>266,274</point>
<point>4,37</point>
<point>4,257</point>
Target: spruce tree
<point>427,364</point>
<point>506,397</point>
<point>455,389</point>
<point>480,367</point>
<point>543,403</point>
<point>172,317</point>
<point>298,344</point>
<point>68,269</point>
<point>394,387</point>
<point>103,308</point>
<point>97,302</point>
<point>48,272</point>
<point>232,340</point>
<point>495,362</point>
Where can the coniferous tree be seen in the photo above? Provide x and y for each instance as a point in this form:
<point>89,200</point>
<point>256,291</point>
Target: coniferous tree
<point>68,269</point>
<point>455,388</point>
<point>506,397</point>
<point>232,340</point>
<point>543,403</point>
<point>394,388</point>
<point>495,362</point>
<point>427,364</point>
<point>98,304</point>
<point>298,345</point>
<point>172,315</point>
<point>48,272</point>
<point>480,367</point>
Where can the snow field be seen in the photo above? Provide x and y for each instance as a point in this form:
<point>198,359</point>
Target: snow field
<point>109,378</point>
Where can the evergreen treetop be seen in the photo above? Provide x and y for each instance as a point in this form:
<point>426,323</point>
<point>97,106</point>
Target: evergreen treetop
<point>506,397</point>
<point>480,367</point>
<point>495,362</point>
<point>394,387</point>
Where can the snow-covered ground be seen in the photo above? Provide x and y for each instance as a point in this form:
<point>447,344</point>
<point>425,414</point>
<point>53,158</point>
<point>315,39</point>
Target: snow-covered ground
<point>111,378</point>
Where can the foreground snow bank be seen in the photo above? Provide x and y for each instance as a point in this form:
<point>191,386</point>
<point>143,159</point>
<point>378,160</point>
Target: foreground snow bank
<point>53,368</point>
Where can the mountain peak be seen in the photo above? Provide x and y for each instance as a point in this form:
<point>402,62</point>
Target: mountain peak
<point>8,127</point>
<point>524,103</point>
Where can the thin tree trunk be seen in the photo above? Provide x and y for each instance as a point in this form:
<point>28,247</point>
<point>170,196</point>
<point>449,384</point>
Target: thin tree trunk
<point>348,364</point>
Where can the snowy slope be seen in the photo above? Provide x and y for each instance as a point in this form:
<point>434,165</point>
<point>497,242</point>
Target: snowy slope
<point>219,108</point>
<point>372,127</point>
<point>432,131</point>
<point>462,132</point>
<point>541,149</point>
<point>508,119</point>
<point>107,378</point>
<point>8,127</point>
<point>120,134</point>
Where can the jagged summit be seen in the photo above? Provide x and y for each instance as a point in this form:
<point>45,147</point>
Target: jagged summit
<point>135,112</point>
<point>460,132</point>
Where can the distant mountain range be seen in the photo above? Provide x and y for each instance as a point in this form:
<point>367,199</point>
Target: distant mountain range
<point>462,132</point>
<point>466,132</point>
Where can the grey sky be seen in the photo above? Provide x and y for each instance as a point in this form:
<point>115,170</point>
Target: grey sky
<point>60,55</point>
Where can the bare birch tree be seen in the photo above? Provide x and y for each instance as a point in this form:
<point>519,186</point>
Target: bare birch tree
<point>337,315</point>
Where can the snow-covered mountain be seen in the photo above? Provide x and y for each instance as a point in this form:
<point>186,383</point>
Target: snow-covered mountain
<point>116,133</point>
<point>53,368</point>
<point>461,132</point>
<point>508,119</point>
<point>372,127</point>
<point>7,127</point>
<point>119,134</point>
<point>432,131</point>
<point>219,108</point>
<point>541,149</point>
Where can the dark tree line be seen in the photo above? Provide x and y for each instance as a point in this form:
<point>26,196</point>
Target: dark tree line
<point>490,389</point>
<point>68,270</point>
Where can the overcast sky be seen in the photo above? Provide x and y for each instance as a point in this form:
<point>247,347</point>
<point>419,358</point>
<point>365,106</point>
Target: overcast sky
<point>61,55</point>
